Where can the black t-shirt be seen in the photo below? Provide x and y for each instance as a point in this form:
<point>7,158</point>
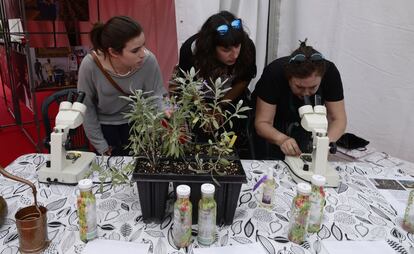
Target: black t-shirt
<point>187,60</point>
<point>273,88</point>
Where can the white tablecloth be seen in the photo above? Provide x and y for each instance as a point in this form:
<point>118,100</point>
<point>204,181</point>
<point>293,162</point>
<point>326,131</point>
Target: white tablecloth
<point>354,211</point>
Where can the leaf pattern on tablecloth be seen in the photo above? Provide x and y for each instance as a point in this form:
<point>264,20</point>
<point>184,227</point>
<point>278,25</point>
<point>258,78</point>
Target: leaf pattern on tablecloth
<point>10,238</point>
<point>380,213</point>
<point>125,230</point>
<point>21,189</point>
<point>342,187</point>
<point>324,232</point>
<point>242,240</point>
<point>397,234</point>
<point>252,204</point>
<point>397,247</point>
<point>160,247</point>
<point>112,215</point>
<point>10,250</point>
<point>361,229</point>
<point>224,239</point>
<point>363,219</point>
<point>108,205</point>
<point>267,245</point>
<point>114,236</point>
<point>245,198</point>
<point>73,218</point>
<point>171,239</point>
<point>236,227</point>
<point>56,205</point>
<point>279,239</point>
<point>4,232</point>
<point>275,226</point>
<point>136,235</point>
<point>155,233</point>
<point>68,242</point>
<point>344,218</point>
<point>297,249</point>
<point>336,232</point>
<point>262,215</point>
<point>249,228</point>
<point>63,213</point>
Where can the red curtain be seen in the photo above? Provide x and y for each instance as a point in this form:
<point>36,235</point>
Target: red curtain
<point>157,17</point>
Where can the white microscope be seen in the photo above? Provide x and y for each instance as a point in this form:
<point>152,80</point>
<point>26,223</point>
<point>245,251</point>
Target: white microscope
<point>307,164</point>
<point>66,167</point>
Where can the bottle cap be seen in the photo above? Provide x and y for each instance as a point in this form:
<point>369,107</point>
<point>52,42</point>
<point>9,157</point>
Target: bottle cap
<point>207,188</point>
<point>85,184</point>
<point>270,173</point>
<point>304,188</point>
<point>318,180</point>
<point>183,190</point>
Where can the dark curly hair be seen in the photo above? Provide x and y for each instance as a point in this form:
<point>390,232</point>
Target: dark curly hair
<point>208,39</point>
<point>306,68</point>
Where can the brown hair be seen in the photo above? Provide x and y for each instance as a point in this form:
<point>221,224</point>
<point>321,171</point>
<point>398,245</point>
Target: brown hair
<point>306,68</point>
<point>115,33</point>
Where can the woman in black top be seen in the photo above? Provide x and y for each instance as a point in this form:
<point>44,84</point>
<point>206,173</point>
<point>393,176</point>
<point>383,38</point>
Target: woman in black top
<point>221,49</point>
<point>280,93</point>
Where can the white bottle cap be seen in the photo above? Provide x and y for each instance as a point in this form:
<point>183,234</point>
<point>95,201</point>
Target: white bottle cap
<point>270,173</point>
<point>207,189</point>
<point>183,191</point>
<point>85,184</point>
<point>318,180</point>
<point>304,188</point>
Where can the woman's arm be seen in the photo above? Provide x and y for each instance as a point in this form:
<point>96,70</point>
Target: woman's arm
<point>265,113</point>
<point>236,90</point>
<point>336,119</point>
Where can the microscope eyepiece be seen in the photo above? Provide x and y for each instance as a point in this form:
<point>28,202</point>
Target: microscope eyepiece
<point>71,96</point>
<point>318,99</point>
<point>81,96</point>
<point>307,100</point>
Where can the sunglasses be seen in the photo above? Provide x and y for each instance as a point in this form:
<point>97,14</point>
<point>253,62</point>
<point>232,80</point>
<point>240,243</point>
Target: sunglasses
<point>300,58</point>
<point>223,29</point>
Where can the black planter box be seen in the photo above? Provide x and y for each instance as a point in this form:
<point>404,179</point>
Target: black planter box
<point>153,192</point>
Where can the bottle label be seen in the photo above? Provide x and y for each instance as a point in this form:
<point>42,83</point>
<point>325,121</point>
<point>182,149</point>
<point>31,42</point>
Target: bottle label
<point>206,226</point>
<point>268,190</point>
<point>315,213</point>
<point>182,225</point>
<point>87,218</point>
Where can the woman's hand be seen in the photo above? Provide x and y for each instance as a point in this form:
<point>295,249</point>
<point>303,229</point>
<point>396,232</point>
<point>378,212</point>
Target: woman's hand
<point>108,152</point>
<point>290,148</point>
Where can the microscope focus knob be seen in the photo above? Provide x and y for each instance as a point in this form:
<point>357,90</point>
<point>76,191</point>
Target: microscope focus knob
<point>332,147</point>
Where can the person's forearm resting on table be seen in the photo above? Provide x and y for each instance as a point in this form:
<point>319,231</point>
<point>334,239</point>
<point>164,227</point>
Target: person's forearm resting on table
<point>336,119</point>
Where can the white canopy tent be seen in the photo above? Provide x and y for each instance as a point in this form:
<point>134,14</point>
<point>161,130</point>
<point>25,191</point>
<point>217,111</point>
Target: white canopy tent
<point>371,42</point>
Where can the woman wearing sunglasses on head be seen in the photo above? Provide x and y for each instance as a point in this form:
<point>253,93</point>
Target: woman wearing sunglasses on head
<point>221,49</point>
<point>281,91</point>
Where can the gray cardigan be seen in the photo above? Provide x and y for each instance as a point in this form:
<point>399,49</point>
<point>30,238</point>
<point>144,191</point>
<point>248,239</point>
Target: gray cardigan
<point>102,100</point>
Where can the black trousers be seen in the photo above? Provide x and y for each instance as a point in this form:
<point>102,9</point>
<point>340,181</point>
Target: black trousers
<point>117,136</point>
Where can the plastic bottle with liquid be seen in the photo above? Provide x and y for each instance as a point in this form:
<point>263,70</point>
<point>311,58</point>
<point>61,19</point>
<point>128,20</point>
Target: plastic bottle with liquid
<point>268,190</point>
<point>182,217</point>
<point>207,211</point>
<point>408,221</point>
<point>317,200</point>
<point>86,203</point>
<point>299,214</point>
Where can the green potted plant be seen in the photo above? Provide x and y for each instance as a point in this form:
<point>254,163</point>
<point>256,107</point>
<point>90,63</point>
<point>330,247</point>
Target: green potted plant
<point>165,151</point>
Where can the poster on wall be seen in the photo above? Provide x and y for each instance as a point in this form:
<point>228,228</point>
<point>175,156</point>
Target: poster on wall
<point>56,68</point>
<point>57,10</point>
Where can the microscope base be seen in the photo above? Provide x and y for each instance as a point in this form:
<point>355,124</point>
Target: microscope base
<point>72,172</point>
<point>296,165</point>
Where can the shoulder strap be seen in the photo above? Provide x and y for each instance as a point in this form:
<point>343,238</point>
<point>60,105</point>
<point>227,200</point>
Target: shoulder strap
<point>106,74</point>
